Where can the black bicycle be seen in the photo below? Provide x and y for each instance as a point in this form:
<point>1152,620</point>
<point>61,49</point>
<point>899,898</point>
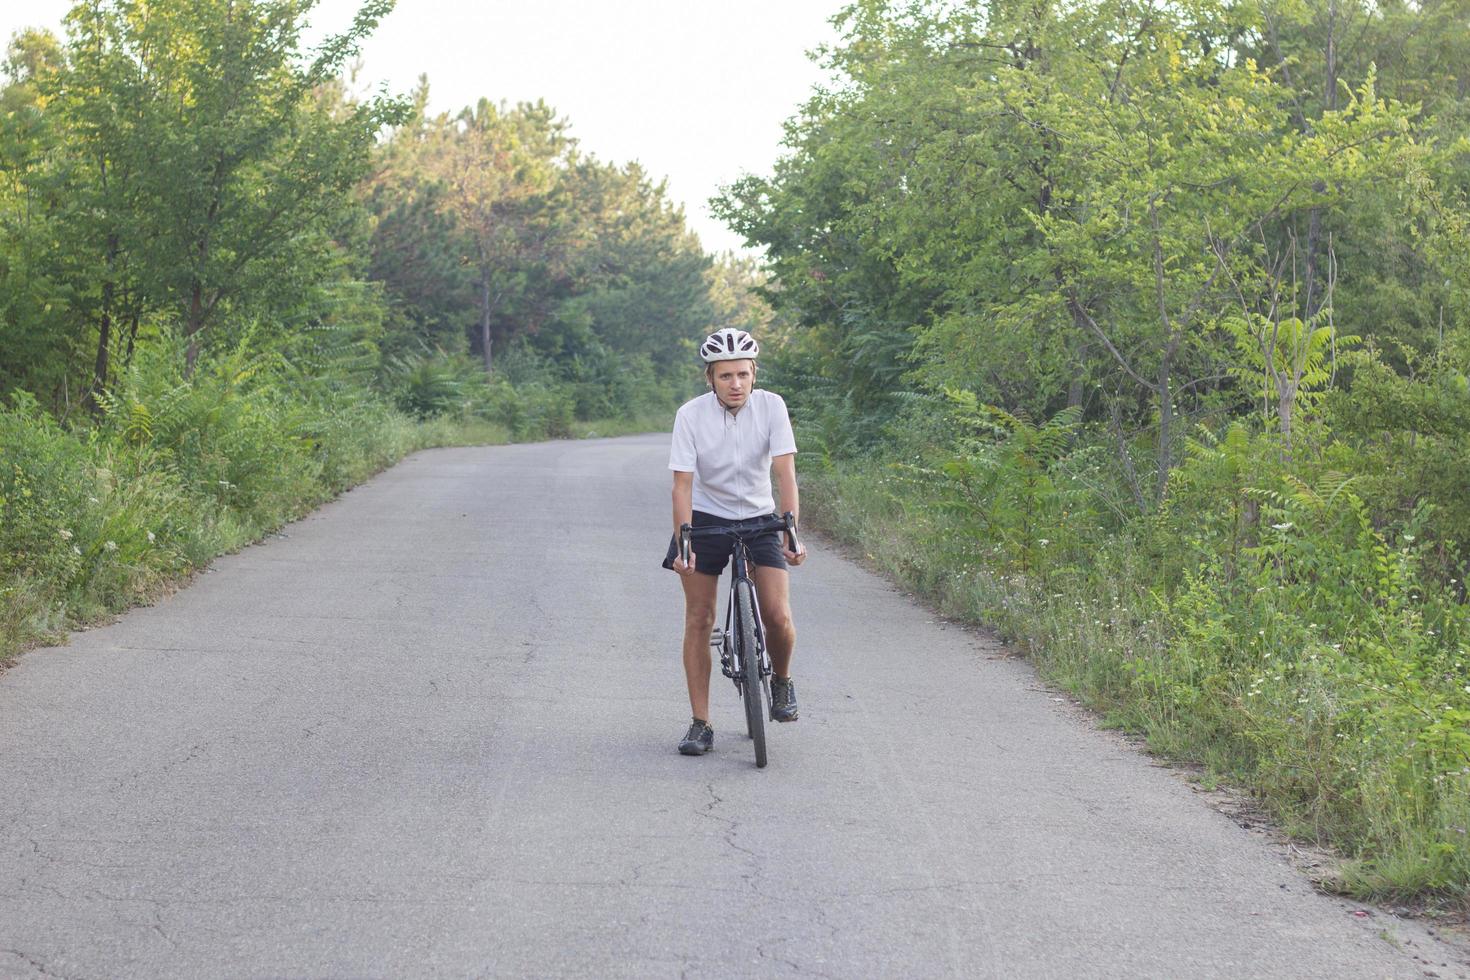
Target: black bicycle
<point>742,643</point>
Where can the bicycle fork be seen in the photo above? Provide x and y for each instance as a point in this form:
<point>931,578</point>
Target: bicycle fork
<point>719,642</point>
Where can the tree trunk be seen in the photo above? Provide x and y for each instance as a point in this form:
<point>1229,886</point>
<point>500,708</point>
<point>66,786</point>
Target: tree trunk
<point>1166,428</point>
<point>1076,387</point>
<point>1286,400</point>
<point>1125,456</point>
<point>485,341</point>
<point>1314,217</point>
<point>132,339</point>
<point>101,366</point>
<point>104,341</point>
<point>193,324</point>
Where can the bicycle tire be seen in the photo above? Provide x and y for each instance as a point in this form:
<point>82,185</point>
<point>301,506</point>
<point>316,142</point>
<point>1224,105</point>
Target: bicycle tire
<point>750,665</point>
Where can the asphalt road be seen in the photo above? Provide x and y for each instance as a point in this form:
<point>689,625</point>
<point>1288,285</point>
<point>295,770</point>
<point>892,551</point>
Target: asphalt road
<point>430,731</point>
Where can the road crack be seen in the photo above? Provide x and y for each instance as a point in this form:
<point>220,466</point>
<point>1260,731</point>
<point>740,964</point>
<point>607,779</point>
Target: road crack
<point>37,964</point>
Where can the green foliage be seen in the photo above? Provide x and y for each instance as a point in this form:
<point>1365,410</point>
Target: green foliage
<point>43,481</point>
<point>232,434</point>
<point>532,396</point>
<point>1006,486</point>
<point>1314,664</point>
<point>83,527</point>
<point>1408,439</point>
<point>428,386</point>
<point>492,225</point>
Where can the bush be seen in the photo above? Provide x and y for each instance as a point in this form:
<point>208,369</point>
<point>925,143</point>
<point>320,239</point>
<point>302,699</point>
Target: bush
<point>85,526</point>
<point>175,472</point>
<point>231,433</point>
<point>1268,622</point>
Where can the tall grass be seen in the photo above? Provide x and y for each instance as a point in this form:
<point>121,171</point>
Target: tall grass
<point>1272,634</point>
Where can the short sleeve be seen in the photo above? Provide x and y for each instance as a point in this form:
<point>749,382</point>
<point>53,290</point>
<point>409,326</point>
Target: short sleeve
<point>681,450</point>
<point>783,440</point>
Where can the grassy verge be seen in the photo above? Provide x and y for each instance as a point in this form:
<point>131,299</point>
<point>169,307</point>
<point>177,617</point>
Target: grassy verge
<point>633,425</point>
<point>1343,714</point>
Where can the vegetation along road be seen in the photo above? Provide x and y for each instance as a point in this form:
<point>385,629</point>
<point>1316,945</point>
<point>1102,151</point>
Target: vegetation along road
<point>429,730</point>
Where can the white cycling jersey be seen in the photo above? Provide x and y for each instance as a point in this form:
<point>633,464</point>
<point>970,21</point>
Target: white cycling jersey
<point>730,453</point>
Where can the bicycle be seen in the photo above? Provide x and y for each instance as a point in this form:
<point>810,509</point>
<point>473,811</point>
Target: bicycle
<point>743,656</point>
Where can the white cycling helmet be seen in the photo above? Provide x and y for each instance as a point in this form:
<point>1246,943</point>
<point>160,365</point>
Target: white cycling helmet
<point>728,345</point>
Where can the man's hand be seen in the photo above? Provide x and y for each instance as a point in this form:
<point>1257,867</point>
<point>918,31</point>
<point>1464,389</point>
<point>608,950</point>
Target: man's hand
<point>794,557</point>
<point>681,567</point>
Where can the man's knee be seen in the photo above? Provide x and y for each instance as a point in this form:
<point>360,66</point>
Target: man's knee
<point>779,622</point>
<point>696,620</point>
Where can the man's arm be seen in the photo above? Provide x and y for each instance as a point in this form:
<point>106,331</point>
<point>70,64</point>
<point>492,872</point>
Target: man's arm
<point>683,514</point>
<point>785,469</point>
<point>683,499</point>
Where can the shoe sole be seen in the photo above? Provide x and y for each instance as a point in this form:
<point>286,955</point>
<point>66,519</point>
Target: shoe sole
<point>695,750</point>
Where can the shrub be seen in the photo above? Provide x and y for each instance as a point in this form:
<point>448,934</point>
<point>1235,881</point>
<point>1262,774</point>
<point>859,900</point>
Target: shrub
<point>1267,622</point>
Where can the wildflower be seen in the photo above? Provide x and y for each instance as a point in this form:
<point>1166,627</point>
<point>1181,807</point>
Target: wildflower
<point>1282,527</point>
<point>93,500</point>
<point>76,550</point>
<point>110,546</point>
<point>65,534</point>
<point>151,539</point>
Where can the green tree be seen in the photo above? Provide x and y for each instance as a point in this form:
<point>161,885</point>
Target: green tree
<point>499,171</point>
<point>638,272</point>
<point>219,166</point>
<point>39,339</point>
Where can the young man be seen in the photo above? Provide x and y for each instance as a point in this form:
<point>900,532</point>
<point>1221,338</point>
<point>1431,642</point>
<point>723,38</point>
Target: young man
<point>726,442</point>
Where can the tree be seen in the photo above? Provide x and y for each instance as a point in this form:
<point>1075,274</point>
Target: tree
<point>638,273</point>
<point>39,338</point>
<point>218,169</point>
<point>499,169</point>
<point>1056,201</point>
<point>417,249</point>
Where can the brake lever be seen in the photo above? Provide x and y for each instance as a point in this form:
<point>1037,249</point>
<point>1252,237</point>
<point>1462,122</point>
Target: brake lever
<point>790,521</point>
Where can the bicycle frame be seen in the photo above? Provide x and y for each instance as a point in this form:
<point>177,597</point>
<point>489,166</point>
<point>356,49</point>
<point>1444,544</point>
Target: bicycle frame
<point>740,571</point>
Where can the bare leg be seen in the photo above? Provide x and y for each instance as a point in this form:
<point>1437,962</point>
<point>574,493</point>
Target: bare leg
<point>699,619</point>
<point>772,588</point>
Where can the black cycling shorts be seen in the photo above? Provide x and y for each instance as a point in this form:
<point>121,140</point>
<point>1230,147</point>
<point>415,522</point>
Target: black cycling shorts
<point>712,552</point>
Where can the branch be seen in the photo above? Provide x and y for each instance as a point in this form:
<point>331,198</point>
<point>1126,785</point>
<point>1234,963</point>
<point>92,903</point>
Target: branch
<point>1079,311</point>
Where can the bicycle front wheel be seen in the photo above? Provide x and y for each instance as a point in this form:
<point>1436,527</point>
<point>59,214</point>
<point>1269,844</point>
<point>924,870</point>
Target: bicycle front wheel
<point>749,659</point>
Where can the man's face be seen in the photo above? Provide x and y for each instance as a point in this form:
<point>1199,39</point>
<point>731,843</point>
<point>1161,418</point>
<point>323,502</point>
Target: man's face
<point>733,381</point>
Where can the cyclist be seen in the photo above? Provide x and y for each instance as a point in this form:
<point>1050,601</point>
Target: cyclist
<point>726,443</point>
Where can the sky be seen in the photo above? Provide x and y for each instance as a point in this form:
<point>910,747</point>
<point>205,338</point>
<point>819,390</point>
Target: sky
<point>695,90</point>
